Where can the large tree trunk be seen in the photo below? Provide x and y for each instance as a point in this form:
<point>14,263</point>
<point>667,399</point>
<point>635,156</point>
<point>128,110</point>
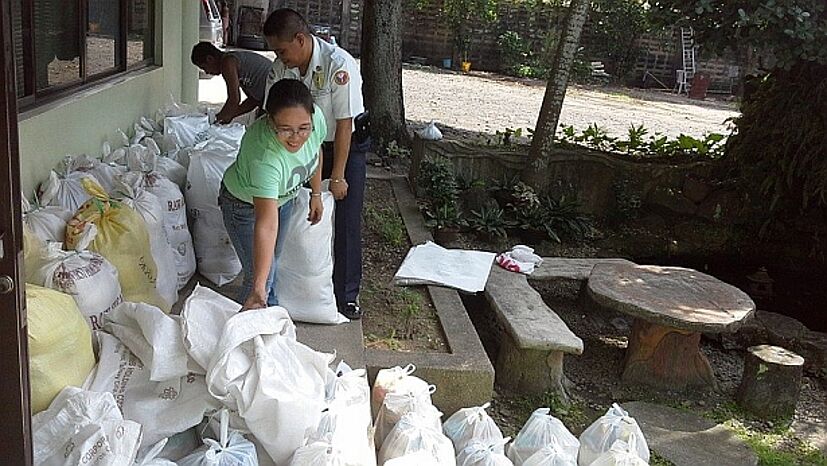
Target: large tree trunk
<point>543,142</point>
<point>382,70</point>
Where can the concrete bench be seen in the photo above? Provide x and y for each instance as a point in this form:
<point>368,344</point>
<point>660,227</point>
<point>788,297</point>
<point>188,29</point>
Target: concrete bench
<point>534,339</point>
<point>565,268</point>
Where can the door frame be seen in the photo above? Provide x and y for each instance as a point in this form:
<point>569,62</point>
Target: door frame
<point>15,428</point>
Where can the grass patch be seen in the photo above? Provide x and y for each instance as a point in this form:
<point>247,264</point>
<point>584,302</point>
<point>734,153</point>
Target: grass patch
<point>390,342</point>
<point>572,414</point>
<point>411,308</point>
<point>657,460</point>
<point>776,446</point>
<point>387,224</point>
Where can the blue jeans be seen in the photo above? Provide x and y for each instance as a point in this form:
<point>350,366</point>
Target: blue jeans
<point>240,221</point>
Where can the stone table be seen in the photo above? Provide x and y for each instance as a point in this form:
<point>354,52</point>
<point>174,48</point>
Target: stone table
<point>672,306</point>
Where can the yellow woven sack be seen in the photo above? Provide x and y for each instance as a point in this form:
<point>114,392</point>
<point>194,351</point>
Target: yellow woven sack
<point>123,240</point>
<point>60,344</point>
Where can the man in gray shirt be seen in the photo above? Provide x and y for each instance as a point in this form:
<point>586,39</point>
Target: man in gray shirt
<point>246,71</point>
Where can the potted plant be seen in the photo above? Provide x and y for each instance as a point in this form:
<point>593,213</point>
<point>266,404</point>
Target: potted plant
<point>445,222</point>
<point>489,223</point>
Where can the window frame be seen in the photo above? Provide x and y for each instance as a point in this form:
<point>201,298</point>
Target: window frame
<point>33,98</point>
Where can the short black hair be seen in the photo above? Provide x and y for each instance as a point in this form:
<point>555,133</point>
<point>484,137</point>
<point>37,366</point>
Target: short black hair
<point>288,93</point>
<point>202,50</point>
<point>285,23</point>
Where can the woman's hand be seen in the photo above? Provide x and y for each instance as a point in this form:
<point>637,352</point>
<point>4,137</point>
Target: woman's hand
<point>339,188</point>
<point>256,300</point>
<point>316,210</point>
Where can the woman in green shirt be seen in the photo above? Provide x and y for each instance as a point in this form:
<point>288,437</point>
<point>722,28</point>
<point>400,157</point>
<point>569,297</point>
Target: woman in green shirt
<point>279,154</point>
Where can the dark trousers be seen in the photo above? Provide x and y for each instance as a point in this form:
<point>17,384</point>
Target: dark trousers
<point>347,242</point>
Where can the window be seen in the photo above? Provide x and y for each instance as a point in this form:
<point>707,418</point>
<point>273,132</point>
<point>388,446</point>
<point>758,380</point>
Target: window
<point>60,45</point>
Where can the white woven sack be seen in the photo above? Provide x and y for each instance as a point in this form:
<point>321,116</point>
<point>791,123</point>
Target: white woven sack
<point>305,267</point>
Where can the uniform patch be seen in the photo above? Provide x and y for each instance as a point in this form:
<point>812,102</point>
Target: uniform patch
<point>341,77</point>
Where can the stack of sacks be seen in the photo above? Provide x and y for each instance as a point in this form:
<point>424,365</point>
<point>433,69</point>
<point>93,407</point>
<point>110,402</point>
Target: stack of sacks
<point>257,369</point>
<point>104,173</point>
<point>60,345</point>
<point>84,428</point>
<point>415,432</point>
<point>540,431</point>
<point>47,222</point>
<point>144,366</point>
<point>216,257</point>
<point>403,400</point>
<point>123,240</point>
<point>600,437</point>
<point>84,275</point>
<point>129,190</point>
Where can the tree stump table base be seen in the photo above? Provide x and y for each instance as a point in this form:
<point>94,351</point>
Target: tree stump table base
<point>771,384</point>
<point>666,358</point>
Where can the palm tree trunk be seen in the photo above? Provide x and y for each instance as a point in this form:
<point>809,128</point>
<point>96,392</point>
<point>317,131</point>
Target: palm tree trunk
<point>382,70</point>
<point>542,145</point>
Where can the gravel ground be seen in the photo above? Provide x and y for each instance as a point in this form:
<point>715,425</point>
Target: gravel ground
<point>487,102</point>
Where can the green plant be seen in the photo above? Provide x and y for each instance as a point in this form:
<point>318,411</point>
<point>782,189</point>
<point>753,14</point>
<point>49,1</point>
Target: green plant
<point>438,181</point>
<point>411,309</point>
<point>615,26</point>
<point>489,220</point>
<point>394,150</point>
<point>514,52</point>
<point>596,137</point>
<point>443,216</point>
<point>556,218</point>
<point>387,224</point>
<point>391,342</point>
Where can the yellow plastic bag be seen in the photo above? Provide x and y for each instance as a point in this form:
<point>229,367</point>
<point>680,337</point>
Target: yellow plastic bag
<point>123,240</point>
<point>60,344</point>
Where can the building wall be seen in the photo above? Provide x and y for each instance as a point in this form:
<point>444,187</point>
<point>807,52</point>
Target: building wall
<point>80,123</point>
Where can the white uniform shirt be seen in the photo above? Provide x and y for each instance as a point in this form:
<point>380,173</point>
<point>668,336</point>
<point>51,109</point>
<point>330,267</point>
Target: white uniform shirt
<point>333,78</point>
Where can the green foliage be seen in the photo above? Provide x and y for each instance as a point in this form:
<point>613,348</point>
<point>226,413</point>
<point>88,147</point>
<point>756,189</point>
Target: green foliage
<point>443,216</point>
<point>614,27</point>
<point>387,224</point>
<point>459,16</point>
<point>782,33</point>
<point>489,220</point>
<point>514,52</point>
<point>556,218</point>
<point>411,309</point>
<point>711,146</point>
<point>781,140</point>
<point>436,177</point>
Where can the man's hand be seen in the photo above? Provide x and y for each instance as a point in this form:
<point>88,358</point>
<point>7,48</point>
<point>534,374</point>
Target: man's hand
<point>316,210</point>
<point>339,189</point>
<point>256,300</point>
<point>224,116</point>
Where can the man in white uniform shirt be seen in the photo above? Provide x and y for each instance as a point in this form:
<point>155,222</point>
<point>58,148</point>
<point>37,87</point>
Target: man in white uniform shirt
<point>333,78</point>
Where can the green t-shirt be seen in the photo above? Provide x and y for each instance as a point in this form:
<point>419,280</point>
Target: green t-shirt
<point>265,169</point>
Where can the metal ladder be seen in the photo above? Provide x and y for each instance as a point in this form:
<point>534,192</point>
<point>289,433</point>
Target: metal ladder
<point>684,76</point>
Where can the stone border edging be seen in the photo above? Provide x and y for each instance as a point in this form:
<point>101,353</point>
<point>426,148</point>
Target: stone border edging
<point>464,377</point>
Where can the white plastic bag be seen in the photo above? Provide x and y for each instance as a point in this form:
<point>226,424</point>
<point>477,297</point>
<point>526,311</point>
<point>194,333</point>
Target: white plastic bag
<point>151,335</point>
<point>323,453</point>
<point>104,173</point>
<point>552,454</point>
<point>416,433</point>
<point>388,379</point>
<point>162,408</point>
<point>216,258</point>
<point>430,132</point>
<point>305,284</point>
<point>621,454</point>
<point>149,207</point>
<point>599,437</point>
<point>84,275</point>
<point>188,130</point>
<point>538,432</point>
<point>66,192</point>
<point>399,403</point>
<point>276,384</point>
<point>419,458</point>
<point>203,317</point>
<point>83,428</point>
<point>152,458</point>
<point>473,425</point>
<point>345,432</point>
<point>47,222</point>
<point>481,454</point>
<point>231,449</point>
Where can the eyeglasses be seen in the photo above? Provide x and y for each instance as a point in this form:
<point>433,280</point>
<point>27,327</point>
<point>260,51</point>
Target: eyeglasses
<point>290,132</point>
